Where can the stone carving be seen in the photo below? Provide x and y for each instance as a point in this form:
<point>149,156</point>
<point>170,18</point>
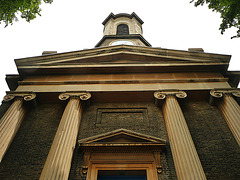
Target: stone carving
<point>82,95</point>
<point>27,96</point>
<point>216,94</point>
<point>158,162</point>
<point>236,93</point>
<point>163,94</point>
<point>8,97</point>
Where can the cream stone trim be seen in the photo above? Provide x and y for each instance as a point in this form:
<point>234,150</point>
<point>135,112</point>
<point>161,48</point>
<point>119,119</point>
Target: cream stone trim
<point>229,108</point>
<point>59,159</point>
<point>12,119</point>
<point>82,95</point>
<point>163,94</point>
<point>218,93</point>
<point>123,87</point>
<point>150,169</point>
<point>27,96</point>
<point>185,157</point>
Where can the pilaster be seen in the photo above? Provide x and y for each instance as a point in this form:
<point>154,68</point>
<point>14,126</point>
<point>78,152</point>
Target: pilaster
<point>229,108</point>
<point>59,159</point>
<point>185,157</point>
<point>12,119</point>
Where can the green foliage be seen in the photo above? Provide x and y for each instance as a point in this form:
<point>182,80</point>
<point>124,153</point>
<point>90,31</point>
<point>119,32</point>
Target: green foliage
<point>28,10</point>
<point>229,10</point>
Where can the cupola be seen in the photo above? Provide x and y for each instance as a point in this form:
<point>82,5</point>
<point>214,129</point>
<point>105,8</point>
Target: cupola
<point>122,29</point>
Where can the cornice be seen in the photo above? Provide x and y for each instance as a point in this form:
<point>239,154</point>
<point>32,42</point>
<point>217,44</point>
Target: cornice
<point>101,51</point>
<point>100,137</point>
<point>129,36</point>
<point>111,15</point>
<point>117,58</point>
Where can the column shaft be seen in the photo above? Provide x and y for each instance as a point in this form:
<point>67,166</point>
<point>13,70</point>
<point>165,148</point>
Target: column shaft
<point>9,125</point>
<point>231,113</point>
<point>59,159</point>
<point>186,160</point>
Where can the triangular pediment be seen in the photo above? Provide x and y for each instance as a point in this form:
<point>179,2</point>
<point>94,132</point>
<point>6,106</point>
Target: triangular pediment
<point>121,136</point>
<point>118,57</point>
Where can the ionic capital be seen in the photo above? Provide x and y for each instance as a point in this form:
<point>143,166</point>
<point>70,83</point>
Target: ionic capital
<point>27,96</point>
<point>219,93</point>
<point>176,93</point>
<point>81,95</point>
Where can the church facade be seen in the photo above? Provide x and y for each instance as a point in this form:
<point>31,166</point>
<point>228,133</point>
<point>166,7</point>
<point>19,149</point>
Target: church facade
<point>122,110</point>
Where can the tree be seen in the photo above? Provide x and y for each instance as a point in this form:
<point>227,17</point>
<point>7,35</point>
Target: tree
<point>28,10</point>
<point>229,10</point>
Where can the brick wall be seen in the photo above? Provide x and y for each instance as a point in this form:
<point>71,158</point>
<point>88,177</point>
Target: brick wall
<point>27,154</point>
<point>215,144</point>
<point>3,108</point>
<point>217,148</point>
<point>139,117</point>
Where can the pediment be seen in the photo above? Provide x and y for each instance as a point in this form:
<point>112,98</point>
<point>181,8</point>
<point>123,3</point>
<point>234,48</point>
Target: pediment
<point>121,138</point>
<point>115,57</point>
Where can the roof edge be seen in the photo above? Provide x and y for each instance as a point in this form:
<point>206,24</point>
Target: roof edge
<point>134,36</point>
<point>111,15</point>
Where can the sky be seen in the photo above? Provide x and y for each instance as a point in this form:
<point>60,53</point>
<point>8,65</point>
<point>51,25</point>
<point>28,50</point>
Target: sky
<point>75,25</point>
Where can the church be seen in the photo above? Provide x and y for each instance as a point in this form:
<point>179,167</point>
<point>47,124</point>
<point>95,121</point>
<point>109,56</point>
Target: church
<point>123,110</point>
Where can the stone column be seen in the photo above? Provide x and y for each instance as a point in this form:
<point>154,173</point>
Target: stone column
<point>229,108</point>
<point>12,119</point>
<point>58,163</point>
<point>185,157</point>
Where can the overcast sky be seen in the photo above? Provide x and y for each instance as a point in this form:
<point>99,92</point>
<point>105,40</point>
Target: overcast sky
<point>75,25</point>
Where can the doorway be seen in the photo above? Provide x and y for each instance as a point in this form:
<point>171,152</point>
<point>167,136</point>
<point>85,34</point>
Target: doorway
<point>122,175</point>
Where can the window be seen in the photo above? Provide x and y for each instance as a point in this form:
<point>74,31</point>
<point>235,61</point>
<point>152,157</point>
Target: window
<point>122,29</point>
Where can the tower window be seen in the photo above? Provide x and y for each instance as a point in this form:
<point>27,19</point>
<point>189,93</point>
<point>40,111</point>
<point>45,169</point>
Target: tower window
<point>122,29</point>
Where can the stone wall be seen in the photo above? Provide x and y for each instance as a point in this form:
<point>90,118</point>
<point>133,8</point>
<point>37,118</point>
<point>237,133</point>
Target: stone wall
<point>110,27</point>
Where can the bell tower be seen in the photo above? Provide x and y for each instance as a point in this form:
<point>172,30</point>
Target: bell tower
<point>122,29</point>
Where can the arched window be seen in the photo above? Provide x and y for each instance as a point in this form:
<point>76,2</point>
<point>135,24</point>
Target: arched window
<point>122,29</point>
